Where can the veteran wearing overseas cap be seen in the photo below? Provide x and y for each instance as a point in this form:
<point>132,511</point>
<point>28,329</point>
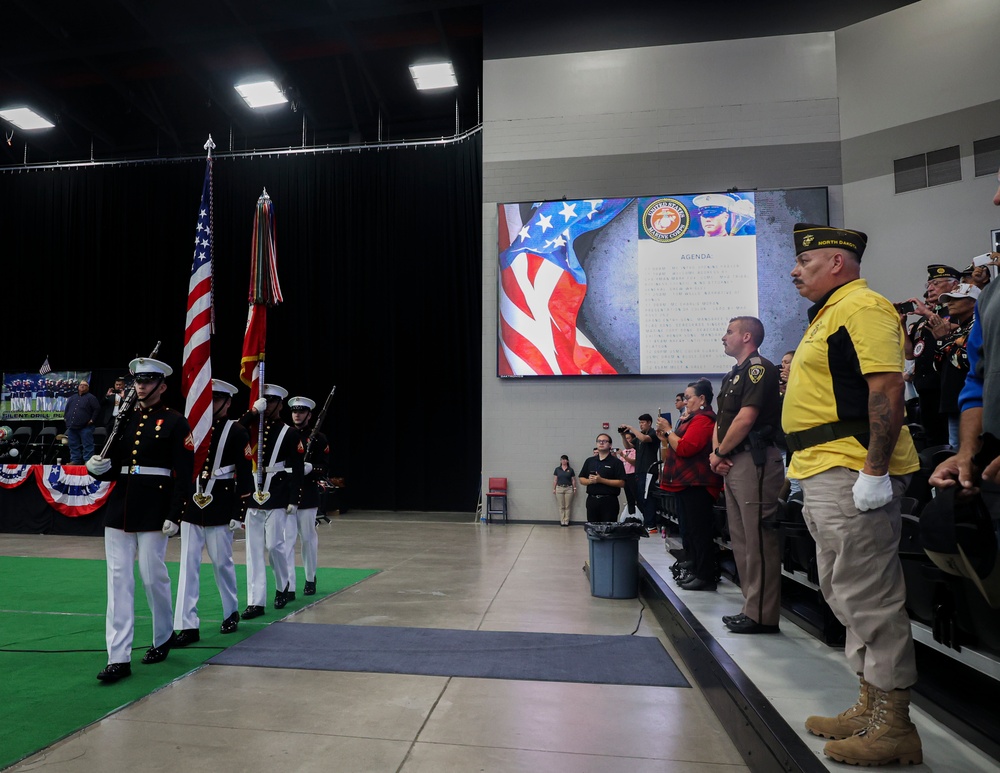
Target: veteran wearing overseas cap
<point>952,353</point>
<point>316,465</point>
<point>921,346</point>
<point>215,510</point>
<point>152,462</point>
<point>273,502</point>
<point>842,416</point>
<point>714,213</point>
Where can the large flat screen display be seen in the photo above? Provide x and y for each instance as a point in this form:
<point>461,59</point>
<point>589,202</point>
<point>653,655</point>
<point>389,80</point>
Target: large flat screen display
<point>646,285</point>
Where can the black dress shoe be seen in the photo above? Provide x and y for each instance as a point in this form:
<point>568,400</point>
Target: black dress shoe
<point>251,612</point>
<point>230,624</point>
<point>114,671</point>
<point>309,589</point>
<point>186,637</point>
<point>280,599</point>
<point>159,654</point>
<point>746,625</point>
<point>684,577</point>
<point>698,584</point>
<point>727,619</point>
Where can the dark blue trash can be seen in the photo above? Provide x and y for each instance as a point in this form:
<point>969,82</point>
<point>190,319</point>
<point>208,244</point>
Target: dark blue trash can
<point>614,561</point>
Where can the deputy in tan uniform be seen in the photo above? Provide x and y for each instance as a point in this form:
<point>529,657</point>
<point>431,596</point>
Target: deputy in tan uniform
<point>843,417</point>
<point>745,453</point>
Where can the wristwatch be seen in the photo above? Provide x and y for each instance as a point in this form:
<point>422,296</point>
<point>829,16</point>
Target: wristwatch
<point>719,453</point>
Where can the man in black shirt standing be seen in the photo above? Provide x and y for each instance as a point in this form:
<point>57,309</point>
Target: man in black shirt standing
<point>604,477</point>
<point>647,453</point>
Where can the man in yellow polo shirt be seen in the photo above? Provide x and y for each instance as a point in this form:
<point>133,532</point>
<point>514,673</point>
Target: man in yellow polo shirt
<point>842,417</point>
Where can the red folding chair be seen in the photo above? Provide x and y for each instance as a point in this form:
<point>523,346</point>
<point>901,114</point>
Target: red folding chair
<point>496,499</point>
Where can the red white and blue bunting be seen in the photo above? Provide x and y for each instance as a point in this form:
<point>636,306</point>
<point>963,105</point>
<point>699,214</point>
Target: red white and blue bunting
<point>13,475</point>
<point>70,489</point>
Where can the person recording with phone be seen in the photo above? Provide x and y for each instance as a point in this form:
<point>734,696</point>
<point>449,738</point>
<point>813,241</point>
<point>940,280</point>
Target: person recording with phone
<point>627,456</point>
<point>604,476</point>
<point>647,453</point>
<point>920,345</point>
<point>688,477</point>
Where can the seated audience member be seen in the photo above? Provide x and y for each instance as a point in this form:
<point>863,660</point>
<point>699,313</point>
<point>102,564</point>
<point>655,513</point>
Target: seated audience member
<point>953,360</point>
<point>604,476</point>
<point>687,475</point>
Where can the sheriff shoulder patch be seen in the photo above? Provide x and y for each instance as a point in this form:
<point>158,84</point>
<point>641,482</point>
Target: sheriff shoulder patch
<point>756,373</point>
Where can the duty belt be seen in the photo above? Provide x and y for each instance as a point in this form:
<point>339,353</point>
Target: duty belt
<point>824,433</point>
<point>136,469</point>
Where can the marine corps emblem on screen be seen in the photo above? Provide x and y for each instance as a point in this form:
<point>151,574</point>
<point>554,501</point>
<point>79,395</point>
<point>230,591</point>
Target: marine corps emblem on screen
<point>665,220</point>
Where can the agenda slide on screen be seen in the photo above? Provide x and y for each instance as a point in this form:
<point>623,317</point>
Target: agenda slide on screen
<point>646,285</point>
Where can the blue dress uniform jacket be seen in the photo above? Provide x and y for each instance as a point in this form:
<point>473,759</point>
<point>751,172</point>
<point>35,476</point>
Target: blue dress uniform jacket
<point>287,482</point>
<point>220,500</point>
<point>318,456</point>
<point>157,439</point>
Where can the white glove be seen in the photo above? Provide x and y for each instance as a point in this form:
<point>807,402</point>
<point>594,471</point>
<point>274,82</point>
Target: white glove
<point>235,525</point>
<point>307,468</point>
<point>260,404</point>
<point>170,528</point>
<point>872,491</point>
<point>292,509</point>
<point>98,465</point>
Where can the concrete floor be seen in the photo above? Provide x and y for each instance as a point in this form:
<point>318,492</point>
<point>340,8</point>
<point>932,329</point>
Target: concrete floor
<point>436,574</point>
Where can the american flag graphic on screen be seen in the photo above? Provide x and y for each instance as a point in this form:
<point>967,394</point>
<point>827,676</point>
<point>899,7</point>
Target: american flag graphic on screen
<point>196,373</point>
<point>542,286</point>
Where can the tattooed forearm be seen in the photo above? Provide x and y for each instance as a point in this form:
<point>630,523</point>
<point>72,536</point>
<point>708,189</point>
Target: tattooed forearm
<point>885,416</point>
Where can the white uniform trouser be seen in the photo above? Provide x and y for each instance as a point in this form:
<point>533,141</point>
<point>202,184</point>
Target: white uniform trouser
<point>121,549</point>
<point>265,540</point>
<point>302,525</point>
<point>219,542</point>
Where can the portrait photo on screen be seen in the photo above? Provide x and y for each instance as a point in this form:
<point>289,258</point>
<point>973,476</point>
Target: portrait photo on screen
<point>646,285</point>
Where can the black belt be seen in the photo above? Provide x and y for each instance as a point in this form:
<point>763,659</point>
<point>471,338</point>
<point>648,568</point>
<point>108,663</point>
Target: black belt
<point>824,433</point>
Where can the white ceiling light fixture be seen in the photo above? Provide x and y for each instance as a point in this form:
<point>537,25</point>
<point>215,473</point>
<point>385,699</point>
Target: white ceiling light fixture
<point>25,118</point>
<point>436,75</point>
<point>261,94</point>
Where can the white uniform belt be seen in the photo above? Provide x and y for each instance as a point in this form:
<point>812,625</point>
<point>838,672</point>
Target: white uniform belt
<point>277,468</point>
<point>136,469</point>
<point>225,473</point>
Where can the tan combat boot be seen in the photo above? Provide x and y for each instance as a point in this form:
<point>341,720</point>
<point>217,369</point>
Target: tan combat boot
<point>848,722</point>
<point>890,735</point>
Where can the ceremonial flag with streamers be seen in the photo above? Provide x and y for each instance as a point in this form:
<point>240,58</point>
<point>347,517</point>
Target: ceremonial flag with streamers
<point>196,373</point>
<point>46,368</point>
<point>542,286</point>
<point>264,291</point>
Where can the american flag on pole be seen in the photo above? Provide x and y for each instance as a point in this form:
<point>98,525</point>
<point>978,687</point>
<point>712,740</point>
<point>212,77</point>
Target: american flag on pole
<point>196,372</point>
<point>542,286</point>
<point>46,368</point>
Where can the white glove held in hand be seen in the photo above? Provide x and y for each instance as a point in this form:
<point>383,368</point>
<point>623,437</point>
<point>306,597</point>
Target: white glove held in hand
<point>98,465</point>
<point>260,404</point>
<point>307,468</point>
<point>170,528</point>
<point>235,525</point>
<point>872,491</point>
<point>292,509</point>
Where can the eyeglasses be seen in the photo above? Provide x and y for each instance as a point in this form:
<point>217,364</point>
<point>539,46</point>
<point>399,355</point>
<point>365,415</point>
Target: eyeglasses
<point>603,441</point>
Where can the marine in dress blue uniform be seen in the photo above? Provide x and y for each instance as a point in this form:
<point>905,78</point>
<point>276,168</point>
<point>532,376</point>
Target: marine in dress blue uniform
<point>316,465</point>
<point>152,464</point>
<point>273,502</point>
<point>215,510</point>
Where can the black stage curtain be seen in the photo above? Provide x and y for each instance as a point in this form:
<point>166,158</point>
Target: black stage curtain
<point>379,259</point>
